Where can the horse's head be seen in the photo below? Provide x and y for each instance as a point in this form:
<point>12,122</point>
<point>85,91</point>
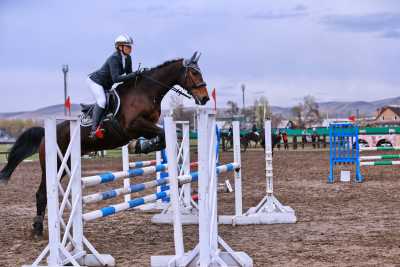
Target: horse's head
<point>192,80</point>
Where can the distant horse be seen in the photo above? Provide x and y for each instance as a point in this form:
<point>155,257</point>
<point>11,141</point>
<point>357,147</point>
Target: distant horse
<point>227,142</point>
<point>275,139</point>
<point>252,137</point>
<point>138,114</point>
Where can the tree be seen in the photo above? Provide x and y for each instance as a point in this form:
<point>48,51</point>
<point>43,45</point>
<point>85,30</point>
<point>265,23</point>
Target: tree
<point>298,114</point>
<point>307,114</point>
<point>312,115</point>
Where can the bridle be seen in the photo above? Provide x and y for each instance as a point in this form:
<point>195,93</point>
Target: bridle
<point>187,66</point>
<point>187,74</point>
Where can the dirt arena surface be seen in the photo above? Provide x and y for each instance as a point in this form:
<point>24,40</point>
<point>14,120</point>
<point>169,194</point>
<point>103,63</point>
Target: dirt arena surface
<point>338,225</point>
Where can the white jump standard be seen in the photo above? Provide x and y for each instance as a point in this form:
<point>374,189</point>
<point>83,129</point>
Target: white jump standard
<point>75,252</point>
<point>187,207</point>
<point>212,250</point>
<point>269,210</point>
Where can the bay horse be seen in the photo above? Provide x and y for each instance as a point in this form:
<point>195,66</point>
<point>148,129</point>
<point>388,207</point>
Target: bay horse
<point>139,111</point>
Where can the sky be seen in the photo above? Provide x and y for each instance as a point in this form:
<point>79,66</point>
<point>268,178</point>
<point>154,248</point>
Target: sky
<point>284,50</point>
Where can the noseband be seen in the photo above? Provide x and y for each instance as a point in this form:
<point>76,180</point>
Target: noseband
<point>195,68</point>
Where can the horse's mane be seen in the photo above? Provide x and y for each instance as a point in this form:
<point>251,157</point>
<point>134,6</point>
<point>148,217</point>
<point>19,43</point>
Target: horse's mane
<point>149,70</point>
<point>146,71</point>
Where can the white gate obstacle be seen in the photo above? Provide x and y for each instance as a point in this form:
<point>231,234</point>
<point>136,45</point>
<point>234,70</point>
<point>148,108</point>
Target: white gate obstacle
<point>188,207</point>
<point>269,210</point>
<point>73,248</point>
<point>162,204</point>
<point>212,250</point>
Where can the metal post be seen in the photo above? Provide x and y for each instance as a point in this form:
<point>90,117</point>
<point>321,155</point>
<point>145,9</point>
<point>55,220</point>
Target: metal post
<point>243,89</point>
<point>65,71</point>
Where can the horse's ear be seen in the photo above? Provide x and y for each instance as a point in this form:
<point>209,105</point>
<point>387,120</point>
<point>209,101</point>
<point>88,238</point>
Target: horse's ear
<point>197,58</point>
<point>193,58</point>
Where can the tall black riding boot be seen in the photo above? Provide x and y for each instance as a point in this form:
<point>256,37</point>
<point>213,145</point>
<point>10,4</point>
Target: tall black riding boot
<point>96,117</point>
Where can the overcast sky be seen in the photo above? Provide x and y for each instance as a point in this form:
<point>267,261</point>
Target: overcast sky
<point>334,50</point>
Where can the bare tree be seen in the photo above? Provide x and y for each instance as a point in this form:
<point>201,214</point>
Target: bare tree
<point>312,115</point>
<point>307,114</point>
<point>298,114</point>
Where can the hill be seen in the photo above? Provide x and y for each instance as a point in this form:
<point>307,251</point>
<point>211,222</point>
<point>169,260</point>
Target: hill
<point>333,109</point>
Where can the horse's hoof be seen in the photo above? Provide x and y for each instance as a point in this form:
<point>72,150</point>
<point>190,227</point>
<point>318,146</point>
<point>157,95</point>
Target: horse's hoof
<point>36,236</point>
<point>37,225</point>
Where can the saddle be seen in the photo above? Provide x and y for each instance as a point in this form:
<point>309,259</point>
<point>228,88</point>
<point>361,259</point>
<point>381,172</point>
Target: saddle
<point>112,107</point>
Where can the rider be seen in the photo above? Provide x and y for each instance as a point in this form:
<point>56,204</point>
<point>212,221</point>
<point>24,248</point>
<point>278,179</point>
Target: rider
<point>117,68</point>
<point>254,129</point>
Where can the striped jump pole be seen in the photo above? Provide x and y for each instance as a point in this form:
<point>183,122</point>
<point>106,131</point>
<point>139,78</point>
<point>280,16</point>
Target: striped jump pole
<point>379,157</point>
<point>393,148</point>
<point>140,164</point>
<point>134,188</point>
<point>108,177</point>
<point>379,163</point>
<point>113,209</point>
<point>113,176</point>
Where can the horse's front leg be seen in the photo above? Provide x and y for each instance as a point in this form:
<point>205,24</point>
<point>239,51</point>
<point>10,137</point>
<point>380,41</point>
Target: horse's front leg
<point>155,137</point>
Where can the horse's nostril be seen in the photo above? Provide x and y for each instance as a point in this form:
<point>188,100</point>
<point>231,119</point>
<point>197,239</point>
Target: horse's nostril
<point>204,100</point>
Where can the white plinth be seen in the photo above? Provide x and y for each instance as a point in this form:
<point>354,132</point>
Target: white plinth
<point>269,211</point>
<point>153,207</point>
<point>163,261</point>
<point>87,260</point>
<point>188,216</point>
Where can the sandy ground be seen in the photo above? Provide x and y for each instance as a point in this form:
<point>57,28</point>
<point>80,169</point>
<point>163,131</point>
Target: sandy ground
<point>338,225</point>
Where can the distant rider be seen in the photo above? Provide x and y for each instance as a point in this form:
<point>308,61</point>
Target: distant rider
<point>117,68</point>
<point>254,129</point>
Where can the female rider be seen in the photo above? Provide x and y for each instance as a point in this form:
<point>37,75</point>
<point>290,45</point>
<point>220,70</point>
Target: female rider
<point>116,69</point>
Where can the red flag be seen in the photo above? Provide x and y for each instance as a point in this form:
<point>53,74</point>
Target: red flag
<point>214,96</point>
<point>352,118</point>
<point>67,104</point>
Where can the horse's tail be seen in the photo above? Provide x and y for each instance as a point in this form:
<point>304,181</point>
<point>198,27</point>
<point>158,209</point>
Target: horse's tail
<point>26,145</point>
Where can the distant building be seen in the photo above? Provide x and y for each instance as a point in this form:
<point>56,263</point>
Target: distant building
<point>388,115</point>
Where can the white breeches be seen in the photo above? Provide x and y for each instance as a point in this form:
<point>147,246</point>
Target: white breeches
<point>98,92</point>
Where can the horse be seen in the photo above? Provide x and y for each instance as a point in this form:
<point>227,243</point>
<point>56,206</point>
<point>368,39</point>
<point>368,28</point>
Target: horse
<point>275,139</point>
<point>139,111</point>
<point>227,142</point>
<point>252,137</point>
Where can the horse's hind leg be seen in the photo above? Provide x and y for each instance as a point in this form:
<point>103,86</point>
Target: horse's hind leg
<point>41,202</point>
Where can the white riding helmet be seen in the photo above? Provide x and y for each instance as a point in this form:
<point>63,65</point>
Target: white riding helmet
<point>123,39</point>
